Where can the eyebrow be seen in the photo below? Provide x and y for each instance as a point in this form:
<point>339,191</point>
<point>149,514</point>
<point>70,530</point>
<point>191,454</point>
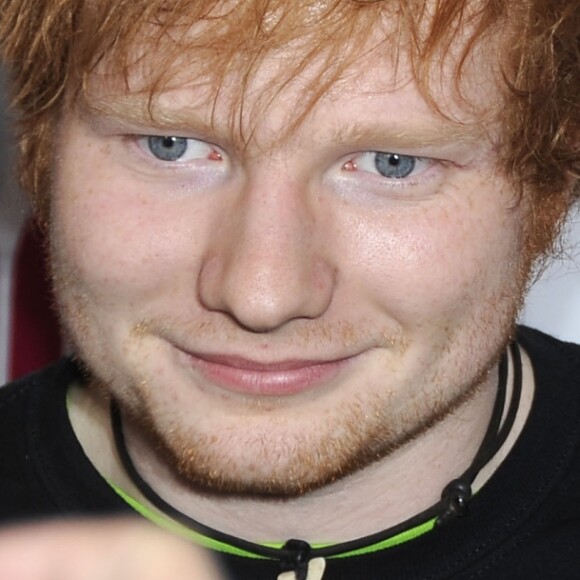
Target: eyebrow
<point>135,110</point>
<point>140,111</point>
<point>409,135</point>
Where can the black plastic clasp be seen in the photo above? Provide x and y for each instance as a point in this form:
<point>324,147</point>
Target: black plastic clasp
<point>296,558</point>
<point>455,498</point>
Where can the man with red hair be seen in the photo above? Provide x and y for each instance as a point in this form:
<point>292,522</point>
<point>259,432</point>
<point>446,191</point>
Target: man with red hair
<point>288,244</point>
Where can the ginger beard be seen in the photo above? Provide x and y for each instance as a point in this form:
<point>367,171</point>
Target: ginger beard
<point>287,456</point>
<point>290,466</point>
<point>440,273</point>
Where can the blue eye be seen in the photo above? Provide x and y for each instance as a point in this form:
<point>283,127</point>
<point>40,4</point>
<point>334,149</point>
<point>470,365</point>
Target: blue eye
<point>167,148</point>
<point>171,149</point>
<point>393,165</point>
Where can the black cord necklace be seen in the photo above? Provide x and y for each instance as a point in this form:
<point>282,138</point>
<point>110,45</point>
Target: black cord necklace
<point>454,500</point>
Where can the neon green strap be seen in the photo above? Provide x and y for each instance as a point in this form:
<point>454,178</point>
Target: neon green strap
<point>225,548</point>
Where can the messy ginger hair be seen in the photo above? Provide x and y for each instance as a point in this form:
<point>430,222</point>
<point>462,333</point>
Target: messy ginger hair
<point>52,47</point>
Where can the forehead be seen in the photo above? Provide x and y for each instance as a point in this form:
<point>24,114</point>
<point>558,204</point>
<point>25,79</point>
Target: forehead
<point>275,87</point>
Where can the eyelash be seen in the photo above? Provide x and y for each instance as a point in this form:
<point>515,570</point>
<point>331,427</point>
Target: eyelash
<point>202,149</point>
<point>365,163</point>
<point>385,162</point>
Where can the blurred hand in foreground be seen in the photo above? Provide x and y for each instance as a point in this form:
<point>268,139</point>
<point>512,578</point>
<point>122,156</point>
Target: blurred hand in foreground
<point>108,549</point>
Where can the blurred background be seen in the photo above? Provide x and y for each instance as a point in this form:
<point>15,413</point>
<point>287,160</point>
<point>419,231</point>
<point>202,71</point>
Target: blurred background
<point>29,336</point>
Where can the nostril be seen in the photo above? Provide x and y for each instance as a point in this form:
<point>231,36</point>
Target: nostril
<point>262,294</point>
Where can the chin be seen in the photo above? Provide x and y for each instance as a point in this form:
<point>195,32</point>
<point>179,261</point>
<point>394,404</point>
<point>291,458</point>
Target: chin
<point>278,459</point>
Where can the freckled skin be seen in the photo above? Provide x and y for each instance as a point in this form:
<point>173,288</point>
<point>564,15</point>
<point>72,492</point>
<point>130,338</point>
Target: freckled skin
<point>285,252</point>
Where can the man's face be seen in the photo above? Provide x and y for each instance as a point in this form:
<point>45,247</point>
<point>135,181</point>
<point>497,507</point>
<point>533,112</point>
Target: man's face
<point>281,314</point>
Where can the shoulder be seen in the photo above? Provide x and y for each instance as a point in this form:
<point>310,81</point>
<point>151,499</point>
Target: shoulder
<point>555,362</point>
<point>555,416</point>
<point>550,452</point>
<point>31,418</point>
<point>52,380</point>
<point>539,342</point>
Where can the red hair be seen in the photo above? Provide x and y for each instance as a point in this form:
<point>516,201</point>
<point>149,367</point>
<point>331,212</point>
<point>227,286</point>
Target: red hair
<point>52,47</point>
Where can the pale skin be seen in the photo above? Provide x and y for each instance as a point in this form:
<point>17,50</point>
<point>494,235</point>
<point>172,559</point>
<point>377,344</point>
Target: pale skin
<point>288,250</point>
<point>284,251</point>
<point>103,550</point>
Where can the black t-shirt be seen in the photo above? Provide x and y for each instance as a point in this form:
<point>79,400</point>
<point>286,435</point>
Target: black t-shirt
<point>525,522</point>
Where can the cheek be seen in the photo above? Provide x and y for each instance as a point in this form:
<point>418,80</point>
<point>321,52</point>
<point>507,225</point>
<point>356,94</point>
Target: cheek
<point>426,264</point>
<point>119,242</point>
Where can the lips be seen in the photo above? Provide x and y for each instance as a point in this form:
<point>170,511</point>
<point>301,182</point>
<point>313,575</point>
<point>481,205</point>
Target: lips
<point>278,378</point>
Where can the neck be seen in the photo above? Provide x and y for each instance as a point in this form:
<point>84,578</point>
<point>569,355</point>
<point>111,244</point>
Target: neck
<point>378,497</point>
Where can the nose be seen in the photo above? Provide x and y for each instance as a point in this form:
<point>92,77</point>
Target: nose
<point>266,264</point>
